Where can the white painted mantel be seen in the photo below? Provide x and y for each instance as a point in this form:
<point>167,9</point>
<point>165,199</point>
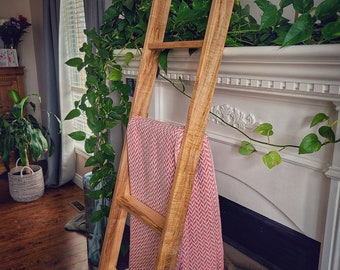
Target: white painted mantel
<point>285,87</point>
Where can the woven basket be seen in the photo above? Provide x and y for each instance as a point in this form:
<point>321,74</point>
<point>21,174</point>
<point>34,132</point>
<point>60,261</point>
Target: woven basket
<point>26,187</point>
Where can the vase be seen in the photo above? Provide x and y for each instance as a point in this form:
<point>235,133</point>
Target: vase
<point>10,46</point>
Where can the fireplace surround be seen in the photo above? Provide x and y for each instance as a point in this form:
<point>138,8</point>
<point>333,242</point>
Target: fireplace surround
<point>286,87</point>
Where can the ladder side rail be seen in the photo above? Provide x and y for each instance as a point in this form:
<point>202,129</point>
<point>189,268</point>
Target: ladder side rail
<point>199,108</point>
<point>140,106</point>
<point>116,221</point>
<point>149,61</point>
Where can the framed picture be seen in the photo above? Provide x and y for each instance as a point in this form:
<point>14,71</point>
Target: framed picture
<point>8,58</point>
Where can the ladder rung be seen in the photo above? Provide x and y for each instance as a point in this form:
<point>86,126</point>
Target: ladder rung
<point>144,213</point>
<point>176,44</point>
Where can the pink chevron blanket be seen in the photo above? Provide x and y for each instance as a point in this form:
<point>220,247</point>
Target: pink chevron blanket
<point>153,148</point>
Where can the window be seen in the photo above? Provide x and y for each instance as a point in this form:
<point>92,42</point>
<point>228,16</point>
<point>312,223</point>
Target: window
<point>73,17</point>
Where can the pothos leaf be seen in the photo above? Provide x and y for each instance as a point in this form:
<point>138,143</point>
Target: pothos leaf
<point>309,144</point>
<point>270,16</point>
<point>318,118</point>
<point>91,161</point>
<point>327,132</point>
<point>96,216</point>
<point>72,114</point>
<point>163,60</point>
<point>108,149</point>
<point>90,144</point>
<point>128,57</point>
<point>246,148</point>
<point>331,30</point>
<point>265,129</point>
<point>94,194</point>
<point>74,62</point>
<point>285,3</point>
<point>271,159</point>
<point>78,135</point>
<point>327,9</point>
<point>303,6</point>
<point>115,74</point>
<point>300,31</point>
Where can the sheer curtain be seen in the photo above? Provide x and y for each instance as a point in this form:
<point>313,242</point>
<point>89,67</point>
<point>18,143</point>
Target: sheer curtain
<point>56,98</point>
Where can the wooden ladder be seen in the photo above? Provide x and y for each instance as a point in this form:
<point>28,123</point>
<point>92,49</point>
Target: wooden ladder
<point>171,226</point>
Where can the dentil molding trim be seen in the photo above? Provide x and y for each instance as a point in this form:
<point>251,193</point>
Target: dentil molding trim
<point>289,71</point>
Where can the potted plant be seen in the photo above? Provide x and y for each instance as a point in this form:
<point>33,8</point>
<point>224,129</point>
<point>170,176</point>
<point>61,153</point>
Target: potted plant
<point>21,132</point>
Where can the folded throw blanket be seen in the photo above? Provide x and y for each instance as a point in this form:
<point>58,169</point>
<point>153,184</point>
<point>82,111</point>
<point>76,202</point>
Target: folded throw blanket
<point>153,148</point>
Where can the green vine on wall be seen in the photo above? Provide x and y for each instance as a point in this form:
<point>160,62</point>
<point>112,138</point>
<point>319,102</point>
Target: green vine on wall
<point>311,142</point>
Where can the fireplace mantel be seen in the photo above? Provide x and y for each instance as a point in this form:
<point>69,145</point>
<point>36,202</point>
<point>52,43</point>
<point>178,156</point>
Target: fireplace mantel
<point>286,87</point>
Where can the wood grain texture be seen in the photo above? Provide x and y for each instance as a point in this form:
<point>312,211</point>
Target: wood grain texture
<point>32,235</point>
<point>176,44</point>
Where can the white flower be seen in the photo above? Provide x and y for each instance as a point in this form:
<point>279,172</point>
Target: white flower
<point>3,20</point>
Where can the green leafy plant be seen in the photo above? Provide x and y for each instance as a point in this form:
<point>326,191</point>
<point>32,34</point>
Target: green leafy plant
<point>21,131</point>
<point>104,76</point>
<point>126,21</point>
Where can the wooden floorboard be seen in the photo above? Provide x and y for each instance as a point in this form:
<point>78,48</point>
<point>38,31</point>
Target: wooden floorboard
<point>32,234</point>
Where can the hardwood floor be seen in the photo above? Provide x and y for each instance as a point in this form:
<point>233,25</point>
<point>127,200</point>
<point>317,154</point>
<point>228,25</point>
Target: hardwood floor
<point>32,235</point>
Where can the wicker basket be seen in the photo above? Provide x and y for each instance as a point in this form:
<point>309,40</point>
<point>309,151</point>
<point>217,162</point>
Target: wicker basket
<point>26,187</point>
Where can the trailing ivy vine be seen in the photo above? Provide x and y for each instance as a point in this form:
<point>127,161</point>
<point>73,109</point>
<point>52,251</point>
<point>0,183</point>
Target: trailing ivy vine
<point>311,142</point>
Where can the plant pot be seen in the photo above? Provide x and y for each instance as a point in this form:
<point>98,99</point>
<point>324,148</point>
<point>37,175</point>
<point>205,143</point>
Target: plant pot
<point>26,187</point>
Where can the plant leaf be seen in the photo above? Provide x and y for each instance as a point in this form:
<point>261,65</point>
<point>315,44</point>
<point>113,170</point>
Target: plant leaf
<point>91,161</point>
<point>285,3</point>
<point>327,9</point>
<point>263,4</point>
<point>128,57</point>
<point>108,150</point>
<point>14,96</point>
<point>78,135</point>
<point>90,144</point>
<point>331,30</point>
<point>271,159</point>
<point>115,74</point>
<point>163,60</point>
<point>327,132</point>
<point>303,6</point>
<point>246,148</point>
<point>270,17</point>
<point>74,62</point>
<point>309,144</point>
<point>96,216</point>
<point>265,129</point>
<point>318,118</point>
<point>300,31</point>
<point>72,114</point>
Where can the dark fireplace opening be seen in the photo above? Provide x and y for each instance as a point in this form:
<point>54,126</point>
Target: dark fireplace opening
<point>267,242</point>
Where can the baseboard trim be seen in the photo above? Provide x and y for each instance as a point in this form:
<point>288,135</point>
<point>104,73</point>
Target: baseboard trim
<point>78,180</point>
